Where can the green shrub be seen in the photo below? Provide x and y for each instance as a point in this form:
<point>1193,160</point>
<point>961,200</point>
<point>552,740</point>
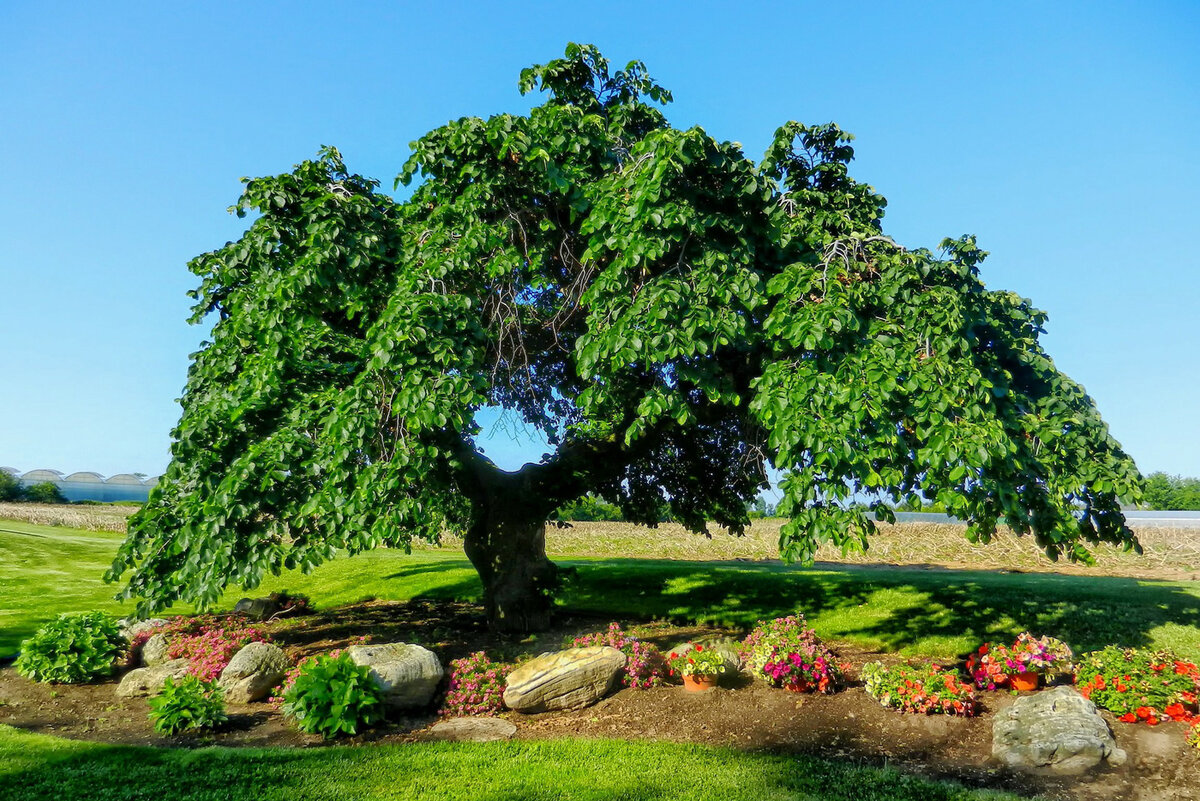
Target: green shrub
<point>333,696</point>
<point>45,492</point>
<point>190,704</point>
<point>73,649</point>
<point>10,487</point>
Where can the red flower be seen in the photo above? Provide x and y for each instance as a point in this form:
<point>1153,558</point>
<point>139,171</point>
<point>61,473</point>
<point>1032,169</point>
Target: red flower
<point>1144,712</point>
<point>983,649</point>
<point>1128,717</point>
<point>699,647</point>
<point>1176,710</point>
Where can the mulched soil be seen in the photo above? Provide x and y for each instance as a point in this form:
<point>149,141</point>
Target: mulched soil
<point>742,713</point>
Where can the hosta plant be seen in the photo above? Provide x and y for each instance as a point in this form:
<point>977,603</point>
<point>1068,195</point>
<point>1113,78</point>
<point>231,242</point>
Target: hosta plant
<point>644,663</point>
<point>1138,685</point>
<point>72,649</point>
<point>189,704</point>
<point>698,661</point>
<point>924,689</point>
<point>476,686</point>
<point>333,696</point>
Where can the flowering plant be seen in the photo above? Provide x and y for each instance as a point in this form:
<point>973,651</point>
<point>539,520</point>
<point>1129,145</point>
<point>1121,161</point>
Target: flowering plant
<point>1045,655</point>
<point>697,661</point>
<point>208,642</point>
<point>644,663</point>
<point>1193,735</point>
<point>476,686</point>
<point>789,654</point>
<point>924,689</point>
<point>986,666</point>
<point>1140,685</point>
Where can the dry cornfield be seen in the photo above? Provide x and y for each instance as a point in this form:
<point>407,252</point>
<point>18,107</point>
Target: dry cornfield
<point>92,518</point>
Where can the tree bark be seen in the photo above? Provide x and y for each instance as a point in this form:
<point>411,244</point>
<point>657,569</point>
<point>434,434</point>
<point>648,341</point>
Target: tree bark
<point>518,579</point>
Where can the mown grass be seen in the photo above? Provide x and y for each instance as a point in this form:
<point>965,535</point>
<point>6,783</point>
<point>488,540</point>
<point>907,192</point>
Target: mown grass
<point>39,767</point>
<point>938,613</point>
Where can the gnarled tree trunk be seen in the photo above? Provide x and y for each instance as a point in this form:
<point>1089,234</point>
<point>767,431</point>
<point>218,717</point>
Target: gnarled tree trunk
<point>518,580</point>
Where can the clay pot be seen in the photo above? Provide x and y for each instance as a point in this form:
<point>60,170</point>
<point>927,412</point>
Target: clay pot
<point>799,686</point>
<point>696,683</point>
<point>1024,681</point>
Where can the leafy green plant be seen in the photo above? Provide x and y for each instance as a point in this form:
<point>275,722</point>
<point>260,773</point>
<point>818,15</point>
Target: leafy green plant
<point>44,492</point>
<point>925,689</point>
<point>1135,684</point>
<point>72,649</point>
<point>698,661</point>
<point>190,704</point>
<point>332,696</point>
<point>10,487</point>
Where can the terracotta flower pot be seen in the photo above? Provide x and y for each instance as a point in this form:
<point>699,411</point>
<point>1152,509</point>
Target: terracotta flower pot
<point>1024,681</point>
<point>798,686</point>
<point>696,683</point>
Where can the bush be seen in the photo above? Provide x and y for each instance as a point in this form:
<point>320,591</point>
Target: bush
<point>190,704</point>
<point>644,663</point>
<point>787,653</point>
<point>45,492</point>
<point>476,686</point>
<point>73,649</point>
<point>332,696</point>
<point>10,487</point>
<point>588,509</point>
<point>924,689</point>
<point>1139,685</point>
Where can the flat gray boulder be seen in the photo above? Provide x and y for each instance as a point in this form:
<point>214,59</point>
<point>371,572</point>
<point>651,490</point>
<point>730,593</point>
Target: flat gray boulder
<point>150,680</point>
<point>408,674</point>
<point>567,679</point>
<point>473,730</point>
<point>155,651</point>
<point>257,608</point>
<point>253,672</point>
<point>1057,730</point>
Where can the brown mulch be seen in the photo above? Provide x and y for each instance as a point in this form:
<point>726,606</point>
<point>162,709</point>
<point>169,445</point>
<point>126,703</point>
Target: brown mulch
<point>741,714</point>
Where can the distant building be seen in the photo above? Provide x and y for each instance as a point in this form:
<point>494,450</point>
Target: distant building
<point>88,486</point>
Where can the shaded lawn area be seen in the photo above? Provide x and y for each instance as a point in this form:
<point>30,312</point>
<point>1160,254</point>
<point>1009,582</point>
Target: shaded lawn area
<point>34,766</point>
<point>935,612</point>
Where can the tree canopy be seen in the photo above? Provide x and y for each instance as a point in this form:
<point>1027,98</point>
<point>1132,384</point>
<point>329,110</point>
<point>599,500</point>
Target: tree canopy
<point>674,317</point>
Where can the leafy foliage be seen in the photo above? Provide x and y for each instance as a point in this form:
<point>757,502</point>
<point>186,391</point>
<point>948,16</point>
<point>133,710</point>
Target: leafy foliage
<point>43,492</point>
<point>672,316</point>
<point>190,704</point>
<point>74,648</point>
<point>333,696</point>
<point>1172,492</point>
<point>1136,684</point>
<point>924,689</point>
<point>10,487</point>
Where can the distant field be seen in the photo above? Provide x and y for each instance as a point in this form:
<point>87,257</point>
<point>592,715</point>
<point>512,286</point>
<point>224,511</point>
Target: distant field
<point>108,517</point>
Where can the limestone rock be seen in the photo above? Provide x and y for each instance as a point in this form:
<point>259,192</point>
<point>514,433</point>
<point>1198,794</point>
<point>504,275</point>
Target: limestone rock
<point>473,730</point>
<point>408,674</point>
<point>567,679</point>
<point>150,680</point>
<point>132,628</point>
<point>155,651</point>
<point>1057,730</point>
<point>253,671</point>
<point>257,608</point>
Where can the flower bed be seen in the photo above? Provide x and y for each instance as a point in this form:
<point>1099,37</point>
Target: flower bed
<point>1140,686</point>
<point>476,686</point>
<point>645,666</point>
<point>208,642</point>
<point>992,665</point>
<point>924,689</point>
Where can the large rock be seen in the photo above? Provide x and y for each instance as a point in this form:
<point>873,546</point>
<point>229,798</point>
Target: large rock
<point>156,650</point>
<point>253,671</point>
<point>564,680</point>
<point>132,628</point>
<point>1058,730</point>
<point>408,674</point>
<point>473,730</point>
<point>150,680</point>
<point>257,608</point>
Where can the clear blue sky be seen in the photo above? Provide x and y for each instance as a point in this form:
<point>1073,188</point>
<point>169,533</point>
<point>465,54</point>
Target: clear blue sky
<point>1065,135</point>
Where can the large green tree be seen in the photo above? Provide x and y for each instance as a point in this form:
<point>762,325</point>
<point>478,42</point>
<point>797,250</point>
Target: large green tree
<point>674,317</point>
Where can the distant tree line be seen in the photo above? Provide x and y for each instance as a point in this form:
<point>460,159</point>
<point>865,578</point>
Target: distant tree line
<point>1171,492</point>
<point>45,492</point>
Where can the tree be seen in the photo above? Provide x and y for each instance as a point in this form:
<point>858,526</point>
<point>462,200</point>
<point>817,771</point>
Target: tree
<point>43,492</point>
<point>1171,492</point>
<point>671,315</point>
<point>10,487</point>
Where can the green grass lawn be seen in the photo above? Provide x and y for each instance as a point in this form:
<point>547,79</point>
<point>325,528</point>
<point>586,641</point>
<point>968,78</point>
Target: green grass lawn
<point>35,766</point>
<point>941,613</point>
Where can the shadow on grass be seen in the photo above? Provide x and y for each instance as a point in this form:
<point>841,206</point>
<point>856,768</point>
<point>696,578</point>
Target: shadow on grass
<point>940,612</point>
<point>539,771</point>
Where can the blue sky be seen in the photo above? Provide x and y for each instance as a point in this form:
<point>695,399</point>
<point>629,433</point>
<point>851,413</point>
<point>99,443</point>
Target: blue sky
<point>1066,136</point>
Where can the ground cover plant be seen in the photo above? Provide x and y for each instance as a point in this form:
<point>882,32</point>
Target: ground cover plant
<point>208,642</point>
<point>644,663</point>
<point>476,686</point>
<point>188,704</point>
<point>74,648</point>
<point>36,766</point>
<point>675,318</point>
<point>924,689</point>
<point>1139,685</point>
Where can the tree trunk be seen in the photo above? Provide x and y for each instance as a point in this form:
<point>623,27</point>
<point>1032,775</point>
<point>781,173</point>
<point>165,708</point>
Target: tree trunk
<point>518,579</point>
